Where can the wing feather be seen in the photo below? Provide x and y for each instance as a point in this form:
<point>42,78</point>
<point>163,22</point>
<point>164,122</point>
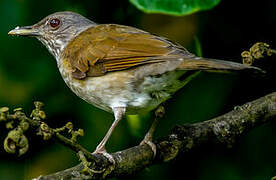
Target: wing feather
<point>106,48</point>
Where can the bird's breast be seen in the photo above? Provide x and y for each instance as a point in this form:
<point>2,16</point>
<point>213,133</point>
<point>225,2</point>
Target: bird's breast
<point>115,89</point>
<point>123,88</point>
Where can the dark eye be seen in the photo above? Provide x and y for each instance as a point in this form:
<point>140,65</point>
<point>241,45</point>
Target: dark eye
<point>54,22</point>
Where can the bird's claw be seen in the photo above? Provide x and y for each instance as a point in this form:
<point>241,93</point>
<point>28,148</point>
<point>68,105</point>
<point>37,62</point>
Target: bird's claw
<point>110,158</point>
<point>105,154</point>
<point>151,145</point>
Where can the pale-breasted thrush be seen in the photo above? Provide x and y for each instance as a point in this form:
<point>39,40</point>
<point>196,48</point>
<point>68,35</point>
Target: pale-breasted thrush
<point>120,69</point>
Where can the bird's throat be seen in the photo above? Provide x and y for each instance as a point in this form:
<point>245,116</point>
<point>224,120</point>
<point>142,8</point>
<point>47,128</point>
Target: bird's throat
<point>55,47</point>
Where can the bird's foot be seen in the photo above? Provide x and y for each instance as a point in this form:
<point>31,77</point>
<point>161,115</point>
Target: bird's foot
<point>86,165</point>
<point>148,140</point>
<point>159,113</point>
<point>102,151</point>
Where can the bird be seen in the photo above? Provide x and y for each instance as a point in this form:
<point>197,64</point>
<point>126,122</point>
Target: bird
<point>117,68</point>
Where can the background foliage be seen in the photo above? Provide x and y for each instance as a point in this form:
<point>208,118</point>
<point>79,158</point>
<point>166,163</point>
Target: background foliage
<point>28,73</point>
<point>174,7</point>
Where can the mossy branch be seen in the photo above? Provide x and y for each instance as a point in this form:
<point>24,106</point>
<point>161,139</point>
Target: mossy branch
<point>225,129</point>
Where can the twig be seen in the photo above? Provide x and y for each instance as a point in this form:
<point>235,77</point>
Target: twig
<point>16,141</point>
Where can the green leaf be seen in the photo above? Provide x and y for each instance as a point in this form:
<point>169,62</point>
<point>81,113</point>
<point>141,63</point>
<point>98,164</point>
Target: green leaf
<point>174,7</point>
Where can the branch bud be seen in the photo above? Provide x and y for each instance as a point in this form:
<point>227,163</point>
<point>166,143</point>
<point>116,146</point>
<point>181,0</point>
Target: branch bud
<point>16,142</point>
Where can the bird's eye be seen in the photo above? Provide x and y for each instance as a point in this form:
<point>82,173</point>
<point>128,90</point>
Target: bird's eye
<point>54,22</point>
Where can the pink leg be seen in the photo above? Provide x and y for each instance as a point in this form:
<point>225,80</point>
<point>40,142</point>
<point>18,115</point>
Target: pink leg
<point>159,113</point>
<point>118,114</point>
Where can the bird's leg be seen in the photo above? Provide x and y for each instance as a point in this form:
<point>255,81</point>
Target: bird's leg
<point>118,115</point>
<point>159,113</point>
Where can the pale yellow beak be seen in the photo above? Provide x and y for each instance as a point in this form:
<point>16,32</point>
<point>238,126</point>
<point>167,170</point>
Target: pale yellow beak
<point>24,31</point>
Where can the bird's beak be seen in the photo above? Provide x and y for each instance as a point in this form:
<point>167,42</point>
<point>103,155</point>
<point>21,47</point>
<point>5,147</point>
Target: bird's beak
<point>25,31</point>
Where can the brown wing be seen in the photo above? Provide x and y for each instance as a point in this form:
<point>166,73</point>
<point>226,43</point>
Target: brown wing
<point>106,48</point>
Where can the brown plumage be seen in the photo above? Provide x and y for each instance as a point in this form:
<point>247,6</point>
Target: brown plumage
<point>109,47</point>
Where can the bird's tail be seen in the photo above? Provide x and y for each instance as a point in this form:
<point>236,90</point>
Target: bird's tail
<point>215,65</point>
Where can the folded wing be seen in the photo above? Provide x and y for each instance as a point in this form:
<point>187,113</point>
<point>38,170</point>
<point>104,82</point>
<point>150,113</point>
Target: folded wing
<point>109,47</point>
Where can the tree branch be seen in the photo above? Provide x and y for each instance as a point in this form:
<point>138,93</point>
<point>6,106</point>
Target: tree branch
<point>225,129</point>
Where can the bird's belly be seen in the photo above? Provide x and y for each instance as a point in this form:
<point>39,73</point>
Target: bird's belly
<point>120,89</point>
<point>112,90</point>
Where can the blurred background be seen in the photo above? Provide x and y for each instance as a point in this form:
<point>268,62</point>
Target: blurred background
<point>28,73</point>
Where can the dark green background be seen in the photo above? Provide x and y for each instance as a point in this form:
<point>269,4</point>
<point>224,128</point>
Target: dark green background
<point>28,73</point>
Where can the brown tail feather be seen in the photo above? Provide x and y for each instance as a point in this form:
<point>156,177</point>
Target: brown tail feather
<point>215,65</point>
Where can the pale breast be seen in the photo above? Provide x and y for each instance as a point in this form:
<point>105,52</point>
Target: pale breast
<point>136,89</point>
<point>114,89</point>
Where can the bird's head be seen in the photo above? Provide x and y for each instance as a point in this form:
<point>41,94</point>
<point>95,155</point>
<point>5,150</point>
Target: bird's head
<point>55,30</point>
